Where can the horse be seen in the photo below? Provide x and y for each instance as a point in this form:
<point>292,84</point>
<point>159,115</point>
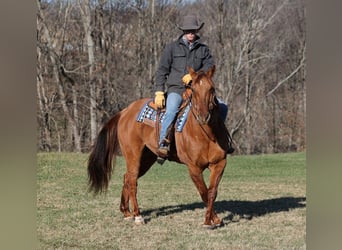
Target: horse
<point>202,144</point>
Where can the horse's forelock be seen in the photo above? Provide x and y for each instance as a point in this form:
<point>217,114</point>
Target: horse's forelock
<point>202,75</point>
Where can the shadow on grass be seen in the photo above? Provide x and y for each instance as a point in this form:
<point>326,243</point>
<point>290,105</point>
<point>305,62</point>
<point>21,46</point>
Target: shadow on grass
<point>236,209</point>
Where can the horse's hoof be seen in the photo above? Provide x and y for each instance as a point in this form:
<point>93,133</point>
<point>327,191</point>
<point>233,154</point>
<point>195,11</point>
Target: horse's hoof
<point>139,220</point>
<point>129,218</point>
<point>210,227</point>
<point>219,224</point>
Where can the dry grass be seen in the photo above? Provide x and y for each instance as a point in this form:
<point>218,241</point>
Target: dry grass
<point>261,200</point>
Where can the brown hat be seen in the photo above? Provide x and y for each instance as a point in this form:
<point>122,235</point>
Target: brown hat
<point>190,23</point>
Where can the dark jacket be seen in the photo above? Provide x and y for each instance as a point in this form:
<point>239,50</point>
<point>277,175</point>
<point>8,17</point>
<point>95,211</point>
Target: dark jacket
<point>174,61</point>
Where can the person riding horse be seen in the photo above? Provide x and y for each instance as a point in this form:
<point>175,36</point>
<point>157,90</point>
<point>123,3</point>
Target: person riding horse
<point>172,76</point>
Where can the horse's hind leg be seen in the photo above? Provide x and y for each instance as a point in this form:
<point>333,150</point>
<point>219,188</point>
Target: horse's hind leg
<point>129,191</point>
<point>124,205</point>
<point>129,194</point>
<point>133,188</point>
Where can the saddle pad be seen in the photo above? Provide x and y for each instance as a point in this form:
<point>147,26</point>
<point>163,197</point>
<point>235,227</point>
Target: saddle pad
<point>148,115</point>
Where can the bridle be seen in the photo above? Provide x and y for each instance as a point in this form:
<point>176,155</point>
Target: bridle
<point>196,113</point>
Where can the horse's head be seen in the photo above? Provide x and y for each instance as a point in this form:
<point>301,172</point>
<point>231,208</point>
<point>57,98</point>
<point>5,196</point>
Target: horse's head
<point>203,93</point>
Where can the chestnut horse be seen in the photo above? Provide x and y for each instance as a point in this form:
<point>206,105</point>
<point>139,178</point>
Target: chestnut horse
<point>202,144</point>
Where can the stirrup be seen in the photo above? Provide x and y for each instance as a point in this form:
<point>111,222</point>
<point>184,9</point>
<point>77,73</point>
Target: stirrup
<point>160,160</point>
<point>162,155</point>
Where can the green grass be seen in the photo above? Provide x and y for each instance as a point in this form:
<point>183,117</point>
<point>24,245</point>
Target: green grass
<point>261,200</point>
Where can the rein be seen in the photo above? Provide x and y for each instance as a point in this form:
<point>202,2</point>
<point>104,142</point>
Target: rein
<point>157,126</point>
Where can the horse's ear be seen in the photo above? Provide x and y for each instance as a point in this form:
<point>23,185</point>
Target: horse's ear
<point>211,71</point>
<point>192,72</point>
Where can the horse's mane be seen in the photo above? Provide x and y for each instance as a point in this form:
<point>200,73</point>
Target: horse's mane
<point>218,127</point>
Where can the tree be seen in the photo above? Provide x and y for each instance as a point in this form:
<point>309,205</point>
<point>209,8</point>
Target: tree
<point>96,57</point>
<point>85,11</point>
<point>53,48</point>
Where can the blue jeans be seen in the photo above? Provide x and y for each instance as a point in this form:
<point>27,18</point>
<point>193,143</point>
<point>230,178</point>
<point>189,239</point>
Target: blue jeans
<point>173,103</point>
<point>223,109</point>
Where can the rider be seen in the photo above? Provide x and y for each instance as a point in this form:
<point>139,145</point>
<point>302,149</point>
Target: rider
<point>172,75</point>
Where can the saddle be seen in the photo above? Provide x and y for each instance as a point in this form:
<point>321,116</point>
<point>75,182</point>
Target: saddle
<point>150,113</point>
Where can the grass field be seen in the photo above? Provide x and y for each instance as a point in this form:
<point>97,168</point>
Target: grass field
<point>262,200</point>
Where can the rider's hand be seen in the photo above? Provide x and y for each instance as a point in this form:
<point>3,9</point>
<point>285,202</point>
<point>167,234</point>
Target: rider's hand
<point>159,99</point>
<point>186,79</point>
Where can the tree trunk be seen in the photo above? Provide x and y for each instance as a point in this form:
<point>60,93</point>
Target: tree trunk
<point>86,21</point>
<point>44,114</point>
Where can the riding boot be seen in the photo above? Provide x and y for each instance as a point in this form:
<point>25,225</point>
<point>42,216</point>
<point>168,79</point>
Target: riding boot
<point>164,145</point>
<point>164,148</point>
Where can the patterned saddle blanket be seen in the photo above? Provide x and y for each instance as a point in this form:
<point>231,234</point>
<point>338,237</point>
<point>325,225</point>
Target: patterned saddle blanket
<point>148,115</point>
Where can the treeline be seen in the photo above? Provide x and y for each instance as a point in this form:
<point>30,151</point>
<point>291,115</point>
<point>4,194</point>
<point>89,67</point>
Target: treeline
<point>96,57</point>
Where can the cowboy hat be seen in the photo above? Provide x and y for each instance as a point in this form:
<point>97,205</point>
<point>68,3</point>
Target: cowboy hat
<point>190,22</point>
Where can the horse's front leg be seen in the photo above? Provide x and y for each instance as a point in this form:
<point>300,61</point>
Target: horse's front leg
<point>197,177</point>
<point>216,172</point>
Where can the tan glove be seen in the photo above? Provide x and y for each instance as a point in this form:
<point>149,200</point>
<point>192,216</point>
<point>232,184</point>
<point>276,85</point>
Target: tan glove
<point>159,100</point>
<point>186,79</point>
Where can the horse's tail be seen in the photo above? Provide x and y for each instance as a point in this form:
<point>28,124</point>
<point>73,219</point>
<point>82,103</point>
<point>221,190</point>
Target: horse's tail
<point>102,157</point>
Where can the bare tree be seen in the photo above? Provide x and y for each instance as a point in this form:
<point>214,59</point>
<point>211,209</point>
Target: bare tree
<point>53,47</point>
<point>95,57</point>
